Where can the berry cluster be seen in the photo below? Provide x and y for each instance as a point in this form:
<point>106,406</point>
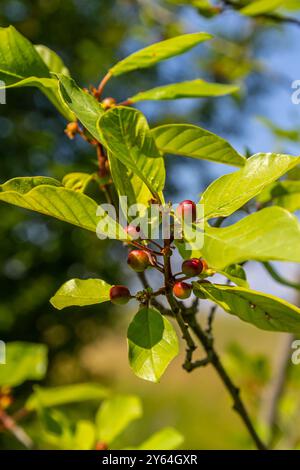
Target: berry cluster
<point>143,257</point>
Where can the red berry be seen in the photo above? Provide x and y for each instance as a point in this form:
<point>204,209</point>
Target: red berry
<point>138,260</point>
<point>192,267</point>
<point>119,295</point>
<point>187,209</point>
<point>101,446</point>
<point>133,232</point>
<point>182,290</point>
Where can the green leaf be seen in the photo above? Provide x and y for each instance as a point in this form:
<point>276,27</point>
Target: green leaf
<point>47,196</point>
<point>230,192</point>
<point>236,274</point>
<point>159,51</point>
<point>292,134</point>
<point>259,7</point>
<point>152,343</point>
<point>193,141</point>
<point>53,62</point>
<point>24,361</point>
<point>77,181</point>
<point>165,439</point>
<point>265,311</point>
<point>126,134</point>
<point>282,193</point>
<point>115,414</point>
<point>81,292</point>
<point>128,184</point>
<point>57,396</point>
<point>18,57</point>
<point>204,7</point>
<point>278,278</point>
<point>21,64</point>
<point>57,430</point>
<point>270,234</point>
<point>84,436</point>
<point>192,89</point>
<point>85,107</point>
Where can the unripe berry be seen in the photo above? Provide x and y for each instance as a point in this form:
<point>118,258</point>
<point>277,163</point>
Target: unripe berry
<point>119,295</point>
<point>187,209</point>
<point>182,290</point>
<point>192,267</point>
<point>133,232</point>
<point>138,260</point>
<point>108,102</point>
<point>204,264</point>
<point>71,129</point>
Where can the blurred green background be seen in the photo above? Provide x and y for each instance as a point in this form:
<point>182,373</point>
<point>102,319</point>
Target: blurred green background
<point>37,255</point>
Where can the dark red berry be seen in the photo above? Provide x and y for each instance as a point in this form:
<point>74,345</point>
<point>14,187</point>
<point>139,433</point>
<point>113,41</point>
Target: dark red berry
<point>187,209</point>
<point>119,295</point>
<point>182,290</point>
<point>192,267</point>
<point>138,260</point>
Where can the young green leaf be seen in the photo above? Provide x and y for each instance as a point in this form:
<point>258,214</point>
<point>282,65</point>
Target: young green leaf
<point>165,439</point>
<point>53,62</point>
<point>192,89</point>
<point>152,343</point>
<point>264,311</point>
<point>85,107</point>
<point>282,193</point>
<point>84,436</point>
<point>126,134</point>
<point>21,64</point>
<point>47,196</point>
<point>58,396</point>
<point>270,234</point>
<point>18,58</point>
<point>81,292</point>
<point>57,429</point>
<point>77,181</point>
<point>128,184</point>
<point>159,51</point>
<point>193,141</point>
<point>259,7</point>
<point>115,414</point>
<point>24,361</point>
<point>230,192</point>
<point>236,274</point>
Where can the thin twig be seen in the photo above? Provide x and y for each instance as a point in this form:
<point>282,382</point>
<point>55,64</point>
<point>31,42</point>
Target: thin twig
<point>210,320</point>
<point>201,363</point>
<point>175,306</point>
<point>10,425</point>
<point>102,84</point>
